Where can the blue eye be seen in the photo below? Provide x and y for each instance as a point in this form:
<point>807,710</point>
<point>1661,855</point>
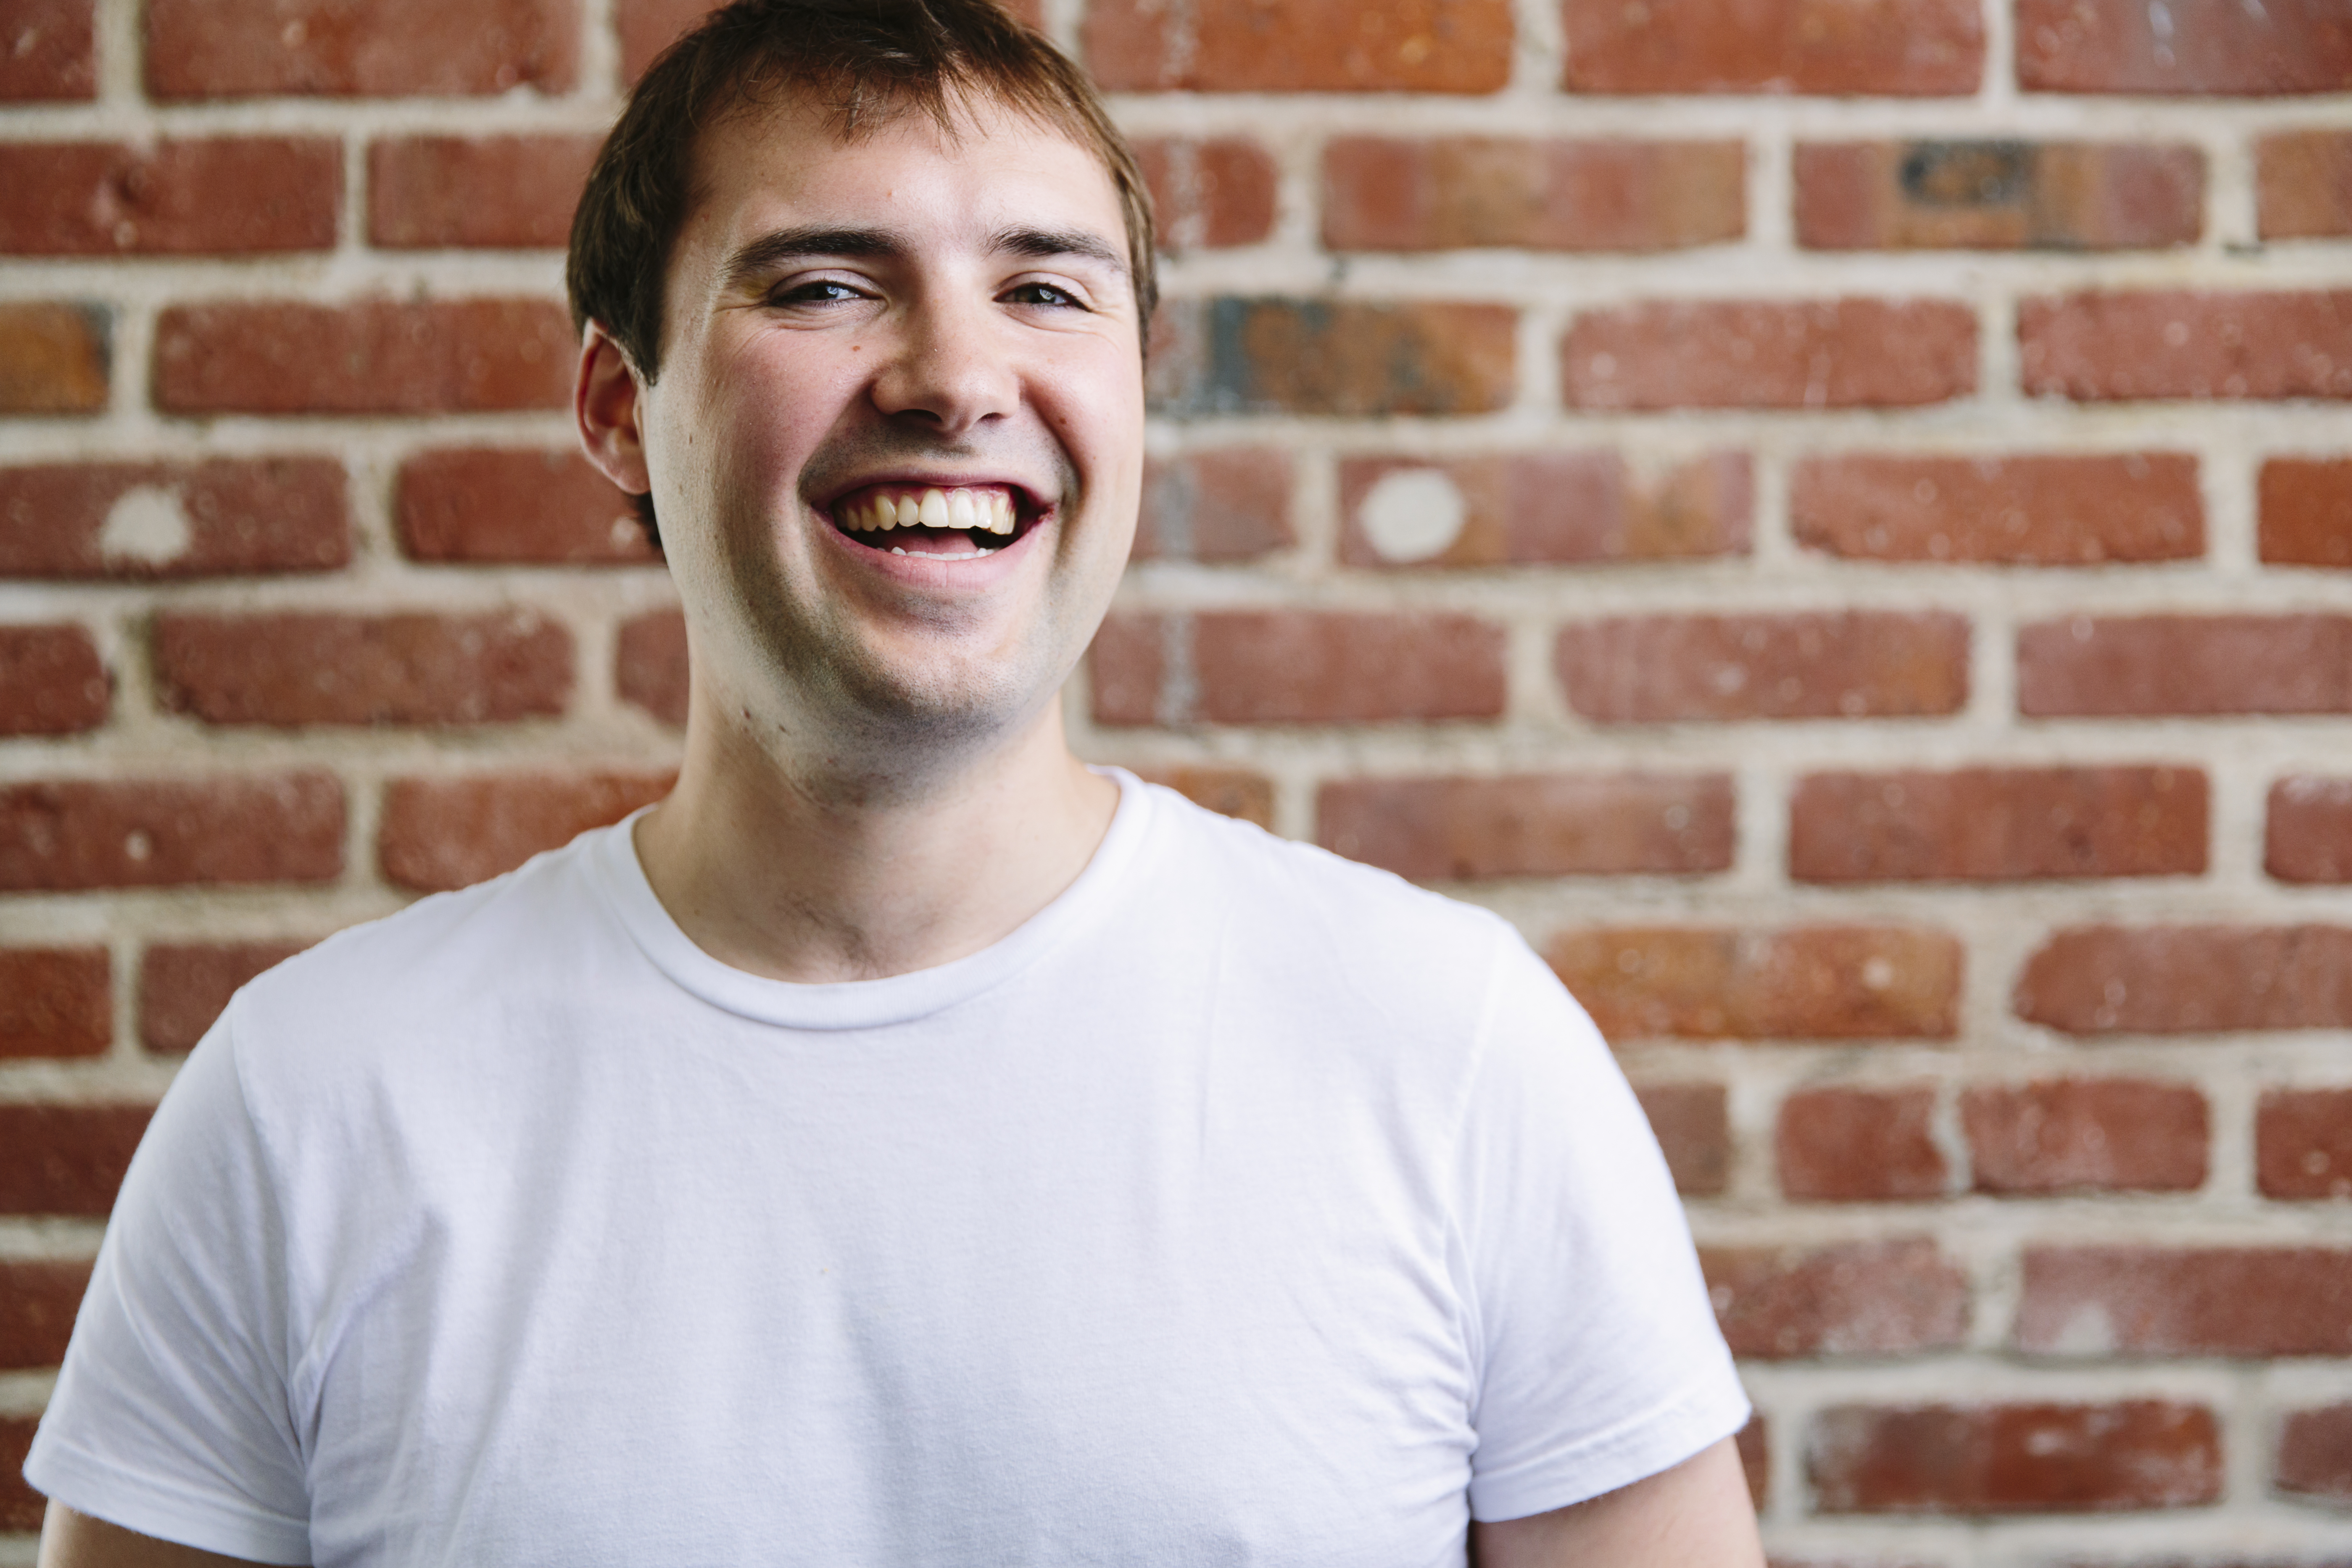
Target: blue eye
<point>825,291</point>
<point>1041,294</point>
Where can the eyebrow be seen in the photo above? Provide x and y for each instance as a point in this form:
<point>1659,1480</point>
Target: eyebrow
<point>757,258</point>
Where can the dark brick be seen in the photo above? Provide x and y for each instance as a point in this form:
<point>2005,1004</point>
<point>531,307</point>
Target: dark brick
<point>1344,357</point>
<point>2014,1458</point>
<point>66,1159</point>
<point>1991,824</point>
<point>55,1002</point>
<point>1549,824</point>
<point>63,834</point>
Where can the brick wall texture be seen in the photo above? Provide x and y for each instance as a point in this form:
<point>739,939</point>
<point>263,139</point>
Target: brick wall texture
<point>1834,515</point>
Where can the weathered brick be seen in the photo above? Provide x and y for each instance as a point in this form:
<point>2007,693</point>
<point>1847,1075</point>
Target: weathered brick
<point>48,50</point>
<point>1692,1122</point>
<point>1550,506</point>
<point>2315,1453</point>
<point>1771,353</point>
<point>245,48</point>
<point>2141,666</point>
<point>2175,980</point>
<point>1805,983</point>
<point>224,516</point>
<point>2053,510</point>
<point>418,669</point>
<point>439,834</point>
<point>1208,195</point>
<point>650,665</point>
<point>2014,1458</point>
<point>1859,1145</point>
<point>1228,505</point>
<point>1295,667</point>
<point>183,986</point>
<point>66,1159</point>
<point>1862,1298</point>
<point>2302,1143</point>
<point>52,681</point>
<point>1531,824</point>
<point>2308,837</point>
<point>63,834</point>
<point>1997,195</point>
<point>21,1508</point>
<point>2305,512</point>
<point>1450,193</point>
<point>2186,1300</point>
<point>38,1298</point>
<point>53,358</point>
<point>1658,670</point>
<point>1342,357</point>
<point>217,196</point>
<point>2184,47</point>
<point>2060,1135</point>
<point>2302,185</point>
<point>55,1002</point>
<point>511,192</point>
<point>1882,47</point>
<point>1242,793</point>
<point>441,356</point>
<point>1998,824</point>
<point>2178,343</point>
<point>1299,46</point>
<point>483,505</point>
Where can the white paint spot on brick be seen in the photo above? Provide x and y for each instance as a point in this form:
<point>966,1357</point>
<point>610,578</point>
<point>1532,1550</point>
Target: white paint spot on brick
<point>2088,1331</point>
<point>1413,514</point>
<point>147,526</point>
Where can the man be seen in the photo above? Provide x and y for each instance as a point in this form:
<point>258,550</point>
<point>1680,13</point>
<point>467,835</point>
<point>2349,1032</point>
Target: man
<point>904,1144</point>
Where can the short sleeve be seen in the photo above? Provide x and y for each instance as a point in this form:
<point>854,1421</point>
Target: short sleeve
<point>170,1415</point>
<point>1600,1361</point>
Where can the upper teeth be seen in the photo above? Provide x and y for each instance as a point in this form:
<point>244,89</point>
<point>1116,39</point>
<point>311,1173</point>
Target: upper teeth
<point>973,510</point>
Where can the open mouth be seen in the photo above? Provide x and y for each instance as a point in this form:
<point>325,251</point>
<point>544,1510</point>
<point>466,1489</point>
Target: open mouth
<point>960,522</point>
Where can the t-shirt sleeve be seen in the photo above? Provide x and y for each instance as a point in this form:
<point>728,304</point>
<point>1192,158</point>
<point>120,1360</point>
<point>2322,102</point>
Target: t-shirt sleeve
<point>171,1414</point>
<point>1600,1361</point>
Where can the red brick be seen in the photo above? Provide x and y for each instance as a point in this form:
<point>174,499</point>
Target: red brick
<point>2024,511</point>
<point>51,680</point>
<point>63,834</point>
<point>183,986</point>
<point>1551,506</point>
<point>1692,1122</point>
<point>293,670</point>
<point>1229,505</point>
<point>1208,195</point>
<point>1299,46</point>
<point>1839,982</point>
<point>1859,1145</point>
<point>1531,824</point>
<point>224,516</point>
<point>2307,513</point>
<point>55,1002</point>
<point>1242,793</point>
<point>2060,1135</point>
<point>53,358</point>
<point>2099,348</point>
<point>439,834</point>
<point>66,1159</point>
<point>1295,666</point>
<point>1859,1298</point>
<point>2014,1458</point>
<point>2308,835</point>
<point>48,50</point>
<point>2302,185</point>
<point>650,667</point>
<point>1341,357</point>
<point>1885,48</point>
<point>444,356</point>
<point>2186,979</point>
<point>2315,1453</point>
<point>1771,353</point>
<point>486,505</point>
<point>245,48</point>
<point>2302,1143</point>
<point>2200,1302</point>
<point>2184,47</point>
<point>38,1298</point>
<point>2142,666</point>
<point>1754,1444</point>
<point>213,197</point>
<point>648,26</point>
<point>1658,670</point>
<point>511,192</point>
<point>21,1508</point>
<point>1458,192</point>
<point>1997,195</point>
<point>1998,824</point>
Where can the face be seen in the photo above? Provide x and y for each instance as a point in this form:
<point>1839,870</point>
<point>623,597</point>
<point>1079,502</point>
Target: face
<point>896,444</point>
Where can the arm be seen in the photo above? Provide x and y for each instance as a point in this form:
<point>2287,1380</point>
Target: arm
<point>71,1540</point>
<point>1696,1515</point>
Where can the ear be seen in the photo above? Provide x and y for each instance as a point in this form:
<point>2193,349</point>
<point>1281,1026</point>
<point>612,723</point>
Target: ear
<point>608,406</point>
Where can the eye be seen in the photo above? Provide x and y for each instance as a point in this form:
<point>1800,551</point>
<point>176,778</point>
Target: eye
<point>815,292</point>
<point>1043,294</point>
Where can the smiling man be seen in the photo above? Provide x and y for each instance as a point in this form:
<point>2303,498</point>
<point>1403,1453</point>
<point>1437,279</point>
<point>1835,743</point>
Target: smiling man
<point>903,1145</point>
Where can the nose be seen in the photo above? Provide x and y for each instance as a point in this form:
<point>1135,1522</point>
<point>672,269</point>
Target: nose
<point>947,368</point>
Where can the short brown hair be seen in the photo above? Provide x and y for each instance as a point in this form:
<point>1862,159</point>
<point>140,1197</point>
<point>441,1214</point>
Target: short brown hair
<point>869,61</point>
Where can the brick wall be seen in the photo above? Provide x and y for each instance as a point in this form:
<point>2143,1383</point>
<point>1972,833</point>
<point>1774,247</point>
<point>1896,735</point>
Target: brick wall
<point>1835,515</point>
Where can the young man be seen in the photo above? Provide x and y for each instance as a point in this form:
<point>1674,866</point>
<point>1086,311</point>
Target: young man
<point>903,1145</point>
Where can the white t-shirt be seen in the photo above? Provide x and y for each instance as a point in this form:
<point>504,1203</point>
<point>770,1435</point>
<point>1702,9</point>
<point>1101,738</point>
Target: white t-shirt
<point>1243,1207</point>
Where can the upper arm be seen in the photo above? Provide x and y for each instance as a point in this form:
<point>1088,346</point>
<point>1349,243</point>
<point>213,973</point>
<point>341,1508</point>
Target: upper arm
<point>1696,1515</point>
<point>71,1540</point>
